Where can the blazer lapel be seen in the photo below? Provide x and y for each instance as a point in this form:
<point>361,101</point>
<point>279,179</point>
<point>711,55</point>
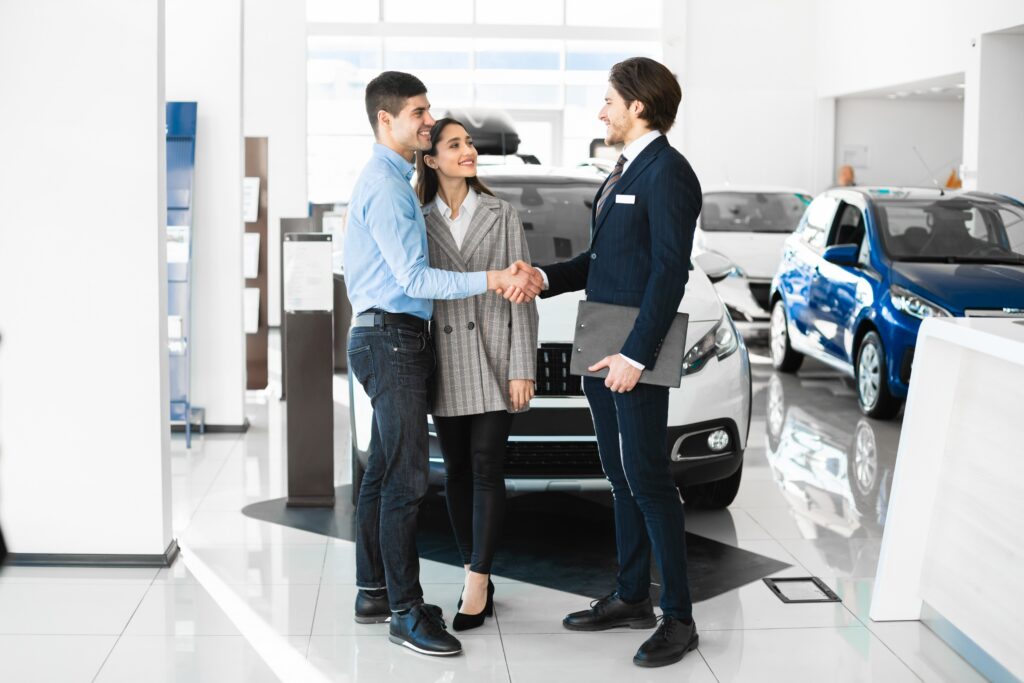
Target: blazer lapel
<point>635,170</point>
<point>439,232</point>
<point>484,219</point>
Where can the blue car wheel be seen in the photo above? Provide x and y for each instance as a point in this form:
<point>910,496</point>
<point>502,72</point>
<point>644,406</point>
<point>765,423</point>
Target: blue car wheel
<point>873,393</point>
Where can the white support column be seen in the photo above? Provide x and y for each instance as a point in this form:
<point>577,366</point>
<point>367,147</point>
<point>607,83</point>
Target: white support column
<point>994,99</point>
<point>275,108</point>
<point>85,461</point>
<point>204,65</point>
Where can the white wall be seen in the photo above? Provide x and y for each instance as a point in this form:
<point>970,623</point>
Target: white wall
<point>750,113</point>
<point>204,64</point>
<point>890,129</point>
<point>275,108</point>
<point>85,465</point>
<point>996,150</point>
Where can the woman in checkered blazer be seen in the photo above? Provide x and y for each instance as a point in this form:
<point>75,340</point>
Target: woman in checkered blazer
<point>486,352</point>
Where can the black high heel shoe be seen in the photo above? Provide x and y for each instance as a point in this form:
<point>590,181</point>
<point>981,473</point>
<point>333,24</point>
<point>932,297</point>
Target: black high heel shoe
<point>464,622</point>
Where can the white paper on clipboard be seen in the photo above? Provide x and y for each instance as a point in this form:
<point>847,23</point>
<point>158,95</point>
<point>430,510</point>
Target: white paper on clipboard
<point>308,281</point>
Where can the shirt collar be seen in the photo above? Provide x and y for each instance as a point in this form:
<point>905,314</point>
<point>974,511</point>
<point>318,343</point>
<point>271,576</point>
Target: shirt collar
<point>632,151</point>
<point>468,205</point>
<point>389,155</point>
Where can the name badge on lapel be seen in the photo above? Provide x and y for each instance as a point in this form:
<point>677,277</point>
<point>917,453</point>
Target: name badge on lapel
<point>625,199</point>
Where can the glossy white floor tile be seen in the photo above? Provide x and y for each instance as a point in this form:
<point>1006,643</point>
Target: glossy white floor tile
<point>535,658</point>
<point>187,609</point>
<point>526,608</point>
<point>225,527</point>
<point>810,655</point>
<point>242,564</point>
<point>35,658</point>
<point>197,659</point>
<point>375,658</point>
<point>79,575</point>
<point>725,526</point>
<point>828,558</point>
<point>754,606</point>
<point>67,608</point>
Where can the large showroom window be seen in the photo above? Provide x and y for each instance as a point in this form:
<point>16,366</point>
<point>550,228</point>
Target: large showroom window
<point>545,62</point>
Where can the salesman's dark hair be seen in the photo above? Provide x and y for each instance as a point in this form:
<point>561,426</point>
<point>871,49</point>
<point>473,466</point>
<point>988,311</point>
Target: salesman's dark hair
<point>426,177</point>
<point>643,79</point>
<point>388,92</point>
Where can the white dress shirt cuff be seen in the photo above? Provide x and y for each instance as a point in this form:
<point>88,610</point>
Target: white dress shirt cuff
<point>545,276</point>
<point>638,366</point>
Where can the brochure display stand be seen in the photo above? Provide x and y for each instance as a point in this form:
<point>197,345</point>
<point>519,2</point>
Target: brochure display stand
<point>309,372</point>
<point>288,226</point>
<point>181,164</point>
<point>255,263</point>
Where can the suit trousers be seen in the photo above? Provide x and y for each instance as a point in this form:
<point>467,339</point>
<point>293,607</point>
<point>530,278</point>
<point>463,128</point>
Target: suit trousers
<point>632,437</point>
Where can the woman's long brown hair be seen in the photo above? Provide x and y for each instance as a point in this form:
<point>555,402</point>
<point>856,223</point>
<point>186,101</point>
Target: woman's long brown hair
<point>426,177</point>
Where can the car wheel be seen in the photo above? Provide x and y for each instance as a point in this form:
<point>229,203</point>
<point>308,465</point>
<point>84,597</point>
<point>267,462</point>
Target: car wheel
<point>873,393</point>
<point>784,358</point>
<point>714,495</point>
<point>776,413</point>
<point>357,474</point>
<point>862,467</point>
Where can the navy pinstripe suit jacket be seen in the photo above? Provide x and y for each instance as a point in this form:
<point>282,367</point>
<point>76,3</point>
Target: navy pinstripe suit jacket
<point>639,252</point>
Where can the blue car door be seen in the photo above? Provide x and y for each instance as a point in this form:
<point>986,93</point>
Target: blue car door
<point>839,291</point>
<point>802,256</point>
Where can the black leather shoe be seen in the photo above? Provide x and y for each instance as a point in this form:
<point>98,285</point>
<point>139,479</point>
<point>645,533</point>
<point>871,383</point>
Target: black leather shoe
<point>372,607</point>
<point>612,612</point>
<point>423,630</point>
<point>673,639</point>
<point>490,598</point>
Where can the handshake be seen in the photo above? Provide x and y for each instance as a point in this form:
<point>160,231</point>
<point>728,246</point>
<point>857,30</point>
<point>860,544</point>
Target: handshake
<point>519,283</point>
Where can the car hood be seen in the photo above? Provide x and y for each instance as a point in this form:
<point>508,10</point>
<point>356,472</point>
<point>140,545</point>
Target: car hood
<point>700,302</point>
<point>960,286</point>
<point>756,253</point>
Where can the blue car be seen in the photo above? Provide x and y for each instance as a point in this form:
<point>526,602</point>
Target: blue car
<point>866,265</point>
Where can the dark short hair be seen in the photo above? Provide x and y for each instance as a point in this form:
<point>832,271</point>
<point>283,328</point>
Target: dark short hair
<point>388,92</point>
<point>643,79</point>
<point>426,178</point>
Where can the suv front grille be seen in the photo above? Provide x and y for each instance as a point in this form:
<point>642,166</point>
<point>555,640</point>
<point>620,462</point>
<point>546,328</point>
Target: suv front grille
<point>553,378</point>
<point>553,458</point>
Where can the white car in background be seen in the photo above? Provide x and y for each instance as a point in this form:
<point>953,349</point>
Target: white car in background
<point>552,446</point>
<point>748,225</point>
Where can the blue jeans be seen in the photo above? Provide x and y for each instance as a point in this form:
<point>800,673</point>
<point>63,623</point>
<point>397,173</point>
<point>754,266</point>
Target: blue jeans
<point>632,437</point>
<point>395,366</point>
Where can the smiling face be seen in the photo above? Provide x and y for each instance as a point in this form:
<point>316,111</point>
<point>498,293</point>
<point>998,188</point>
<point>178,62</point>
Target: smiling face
<point>455,154</point>
<point>410,129</point>
<point>621,120</point>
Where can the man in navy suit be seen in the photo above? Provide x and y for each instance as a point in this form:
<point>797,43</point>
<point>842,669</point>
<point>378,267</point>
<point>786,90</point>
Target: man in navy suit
<point>643,222</point>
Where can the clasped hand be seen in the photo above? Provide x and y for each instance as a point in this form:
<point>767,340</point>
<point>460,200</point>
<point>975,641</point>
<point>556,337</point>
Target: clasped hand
<point>622,375</point>
<point>519,283</point>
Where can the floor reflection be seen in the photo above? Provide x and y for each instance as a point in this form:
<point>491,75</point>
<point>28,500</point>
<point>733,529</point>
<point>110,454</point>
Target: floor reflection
<point>833,466</point>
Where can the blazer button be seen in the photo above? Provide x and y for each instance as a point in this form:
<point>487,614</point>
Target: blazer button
<point>471,325</point>
<point>447,329</point>
<point>593,256</point>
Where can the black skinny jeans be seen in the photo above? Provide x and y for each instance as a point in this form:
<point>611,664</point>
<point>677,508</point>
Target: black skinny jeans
<point>473,447</point>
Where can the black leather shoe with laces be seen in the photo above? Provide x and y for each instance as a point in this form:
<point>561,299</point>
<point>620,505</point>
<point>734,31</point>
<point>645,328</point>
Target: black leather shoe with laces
<point>422,629</point>
<point>673,639</point>
<point>372,607</point>
<point>612,612</point>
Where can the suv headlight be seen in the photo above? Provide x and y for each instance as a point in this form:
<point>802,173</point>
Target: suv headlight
<point>912,304</point>
<point>721,341</point>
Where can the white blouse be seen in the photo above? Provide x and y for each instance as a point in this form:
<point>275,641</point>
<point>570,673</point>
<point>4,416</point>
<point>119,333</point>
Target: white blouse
<point>459,226</point>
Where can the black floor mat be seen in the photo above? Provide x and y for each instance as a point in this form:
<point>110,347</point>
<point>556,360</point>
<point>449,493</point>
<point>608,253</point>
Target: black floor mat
<point>558,541</point>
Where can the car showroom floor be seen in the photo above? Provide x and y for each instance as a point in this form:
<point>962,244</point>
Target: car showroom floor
<point>254,600</point>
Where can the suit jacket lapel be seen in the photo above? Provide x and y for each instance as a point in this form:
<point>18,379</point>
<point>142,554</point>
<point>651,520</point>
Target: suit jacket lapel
<point>438,230</point>
<point>484,219</point>
<point>635,170</point>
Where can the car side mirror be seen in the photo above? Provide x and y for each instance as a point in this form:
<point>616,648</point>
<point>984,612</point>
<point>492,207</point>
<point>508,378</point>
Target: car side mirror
<point>715,266</point>
<point>842,254</point>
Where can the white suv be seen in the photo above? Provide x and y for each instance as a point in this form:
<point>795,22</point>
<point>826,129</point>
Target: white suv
<point>552,446</point>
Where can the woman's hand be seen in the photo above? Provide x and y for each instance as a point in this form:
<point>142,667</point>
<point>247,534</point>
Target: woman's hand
<point>520,391</point>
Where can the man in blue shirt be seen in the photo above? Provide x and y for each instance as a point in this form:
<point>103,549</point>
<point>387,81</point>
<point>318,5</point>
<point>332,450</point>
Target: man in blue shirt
<point>391,286</point>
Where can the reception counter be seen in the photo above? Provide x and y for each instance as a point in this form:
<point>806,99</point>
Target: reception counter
<point>953,547</point>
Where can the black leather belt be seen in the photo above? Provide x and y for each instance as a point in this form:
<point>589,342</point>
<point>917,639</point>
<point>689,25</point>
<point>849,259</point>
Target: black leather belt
<point>382,319</point>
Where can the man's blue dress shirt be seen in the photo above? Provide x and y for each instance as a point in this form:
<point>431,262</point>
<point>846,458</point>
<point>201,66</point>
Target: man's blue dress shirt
<point>386,265</point>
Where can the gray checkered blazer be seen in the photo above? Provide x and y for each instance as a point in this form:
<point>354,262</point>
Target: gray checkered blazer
<point>484,341</point>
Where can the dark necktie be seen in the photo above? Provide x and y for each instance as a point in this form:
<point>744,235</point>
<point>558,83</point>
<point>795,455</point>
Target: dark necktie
<point>610,184</point>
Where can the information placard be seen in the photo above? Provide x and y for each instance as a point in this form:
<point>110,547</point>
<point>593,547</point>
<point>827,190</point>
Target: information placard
<point>308,281</point>
<point>251,199</point>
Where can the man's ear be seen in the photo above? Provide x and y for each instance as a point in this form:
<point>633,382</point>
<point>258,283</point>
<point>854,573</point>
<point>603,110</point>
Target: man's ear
<point>638,107</point>
<point>383,119</point>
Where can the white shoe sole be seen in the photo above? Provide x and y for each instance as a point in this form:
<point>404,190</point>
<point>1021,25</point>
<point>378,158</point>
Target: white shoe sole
<point>412,647</point>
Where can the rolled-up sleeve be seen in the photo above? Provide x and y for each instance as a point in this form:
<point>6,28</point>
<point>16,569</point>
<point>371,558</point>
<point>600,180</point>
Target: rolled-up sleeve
<point>393,219</point>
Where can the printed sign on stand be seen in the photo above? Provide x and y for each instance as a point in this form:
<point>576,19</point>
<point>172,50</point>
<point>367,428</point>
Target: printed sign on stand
<point>308,281</point>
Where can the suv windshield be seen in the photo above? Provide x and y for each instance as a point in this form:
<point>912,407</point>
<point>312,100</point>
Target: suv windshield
<point>555,214</point>
<point>955,229</point>
<point>752,211</point>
